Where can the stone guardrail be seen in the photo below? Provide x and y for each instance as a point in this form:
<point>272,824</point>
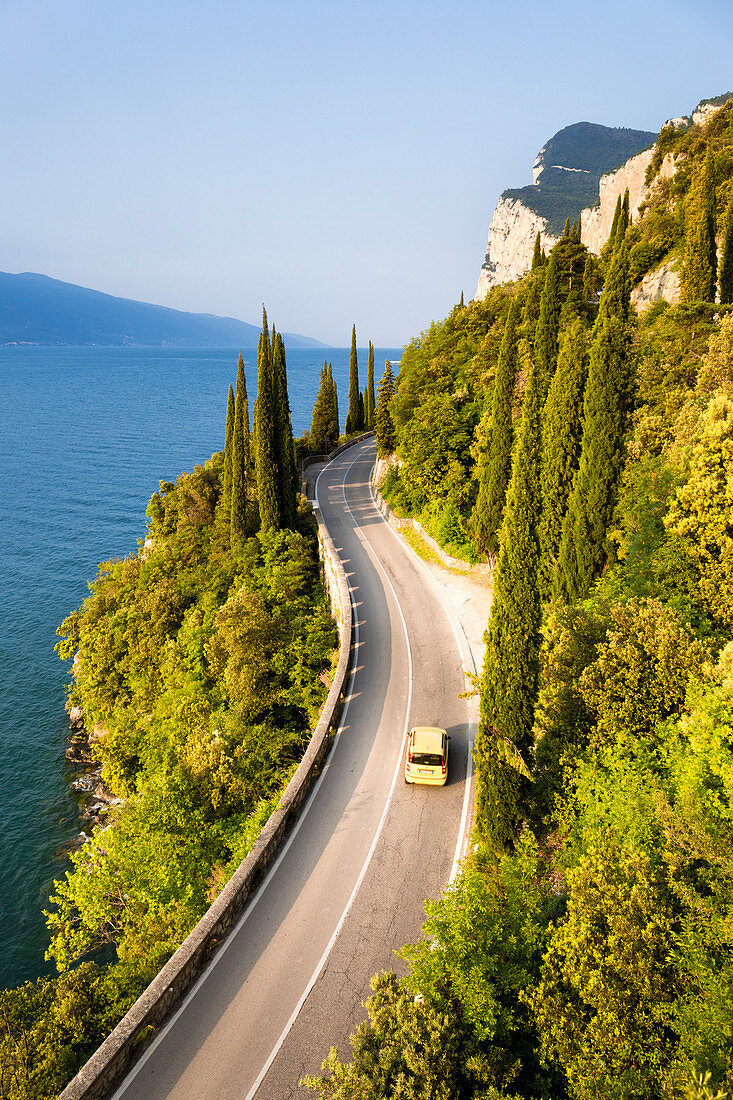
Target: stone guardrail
<point>107,1065</point>
<point>310,459</point>
<point>399,522</point>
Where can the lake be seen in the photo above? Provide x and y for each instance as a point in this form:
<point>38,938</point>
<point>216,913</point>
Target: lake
<point>87,434</point>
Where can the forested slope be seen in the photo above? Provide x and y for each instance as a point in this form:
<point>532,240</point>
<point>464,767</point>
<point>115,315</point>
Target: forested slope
<point>200,664</point>
<point>587,949</point>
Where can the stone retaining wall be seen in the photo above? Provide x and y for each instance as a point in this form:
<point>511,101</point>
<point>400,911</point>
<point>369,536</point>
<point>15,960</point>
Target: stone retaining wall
<point>98,1076</point>
<point>398,522</point>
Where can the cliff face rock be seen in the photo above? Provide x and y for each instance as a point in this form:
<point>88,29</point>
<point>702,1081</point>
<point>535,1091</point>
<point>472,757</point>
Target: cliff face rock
<point>661,285</point>
<point>565,179</point>
<point>596,222</point>
<point>509,248</point>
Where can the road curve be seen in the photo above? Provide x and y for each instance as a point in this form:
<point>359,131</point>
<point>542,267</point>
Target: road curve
<point>348,887</point>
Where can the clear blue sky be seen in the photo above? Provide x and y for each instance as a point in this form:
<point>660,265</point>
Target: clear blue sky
<point>339,161</point>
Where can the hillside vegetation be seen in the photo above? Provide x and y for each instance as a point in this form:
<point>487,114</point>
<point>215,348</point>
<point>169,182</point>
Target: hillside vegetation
<point>586,951</point>
<point>201,664</point>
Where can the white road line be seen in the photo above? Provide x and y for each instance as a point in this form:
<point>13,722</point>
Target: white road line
<point>251,905</point>
<point>460,843</point>
<point>464,649</point>
<point>329,947</point>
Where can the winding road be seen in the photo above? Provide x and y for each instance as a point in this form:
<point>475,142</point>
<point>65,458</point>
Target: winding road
<point>348,887</point>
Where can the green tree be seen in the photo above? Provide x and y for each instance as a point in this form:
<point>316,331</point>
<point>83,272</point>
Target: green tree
<point>511,663</point>
<point>238,512</point>
<point>726,260</point>
<point>353,424</point>
<point>244,406</point>
<point>537,254</point>
<point>548,327</point>
<point>561,435</point>
<point>700,260</point>
<point>321,437</point>
<point>605,414</point>
<point>604,1004</point>
<point>494,465</point>
<point>335,428</point>
<point>384,428</point>
<point>226,493</point>
<point>287,473</point>
<point>700,512</point>
<point>265,460</point>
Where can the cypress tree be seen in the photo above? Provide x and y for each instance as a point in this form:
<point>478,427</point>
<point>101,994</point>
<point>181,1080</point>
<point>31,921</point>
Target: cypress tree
<point>494,466</point>
<point>566,230</point>
<point>360,414</point>
<point>352,417</point>
<point>244,412</point>
<point>561,434</point>
<point>265,461</point>
<point>461,303</point>
<point>548,327</point>
<point>537,254</point>
<point>287,473</point>
<point>370,402</point>
<point>605,412</point>
<point>320,420</point>
<point>511,664</point>
<point>625,213</point>
<point>335,423</point>
<point>226,491</point>
<point>726,260</point>
<point>238,508</point>
<point>384,429</point>
<point>611,242</point>
<point>589,281</point>
<point>700,259</point>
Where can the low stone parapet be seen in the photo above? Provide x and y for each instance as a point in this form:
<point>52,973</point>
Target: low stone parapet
<point>109,1062</point>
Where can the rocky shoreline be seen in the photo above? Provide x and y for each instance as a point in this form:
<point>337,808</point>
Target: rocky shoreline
<point>95,799</point>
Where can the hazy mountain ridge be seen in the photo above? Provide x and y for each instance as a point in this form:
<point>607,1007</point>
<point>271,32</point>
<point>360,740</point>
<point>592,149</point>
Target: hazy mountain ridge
<point>36,309</point>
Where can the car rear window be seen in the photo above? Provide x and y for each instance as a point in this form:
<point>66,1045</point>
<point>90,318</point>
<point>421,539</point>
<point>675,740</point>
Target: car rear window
<point>433,759</point>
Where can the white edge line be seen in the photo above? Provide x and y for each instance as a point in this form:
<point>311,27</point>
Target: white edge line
<point>457,858</point>
<point>252,902</point>
<point>464,649</point>
<point>329,947</point>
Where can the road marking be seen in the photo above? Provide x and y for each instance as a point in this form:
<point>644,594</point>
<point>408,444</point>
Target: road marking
<point>463,649</point>
<point>329,947</point>
<point>252,903</point>
<point>460,843</point>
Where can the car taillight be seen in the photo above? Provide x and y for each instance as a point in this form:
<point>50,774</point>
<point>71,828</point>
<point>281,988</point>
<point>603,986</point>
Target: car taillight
<point>409,758</point>
<point>442,763</point>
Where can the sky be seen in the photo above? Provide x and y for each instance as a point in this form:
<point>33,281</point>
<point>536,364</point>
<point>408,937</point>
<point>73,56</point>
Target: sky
<point>338,161</point>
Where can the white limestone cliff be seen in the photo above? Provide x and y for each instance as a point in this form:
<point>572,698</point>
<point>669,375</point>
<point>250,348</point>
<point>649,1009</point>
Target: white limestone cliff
<point>510,244</point>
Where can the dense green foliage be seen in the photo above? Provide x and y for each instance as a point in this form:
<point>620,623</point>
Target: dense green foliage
<point>200,665</point>
<point>493,466</point>
<point>354,421</point>
<point>384,429</point>
<point>589,149</point>
<point>585,951</point>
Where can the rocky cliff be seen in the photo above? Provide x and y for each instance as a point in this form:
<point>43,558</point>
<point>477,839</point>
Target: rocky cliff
<point>565,179</point>
<point>568,181</point>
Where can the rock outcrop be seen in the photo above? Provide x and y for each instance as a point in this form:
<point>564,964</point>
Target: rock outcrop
<point>567,169</point>
<point>510,245</point>
<point>565,179</point>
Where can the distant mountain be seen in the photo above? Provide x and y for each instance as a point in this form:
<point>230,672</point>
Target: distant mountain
<point>566,179</point>
<point>35,309</point>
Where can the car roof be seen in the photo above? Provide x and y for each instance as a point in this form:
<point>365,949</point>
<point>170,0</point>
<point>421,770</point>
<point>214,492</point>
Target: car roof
<point>428,738</point>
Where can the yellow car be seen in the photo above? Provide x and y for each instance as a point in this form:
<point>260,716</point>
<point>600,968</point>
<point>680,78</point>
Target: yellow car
<point>427,755</point>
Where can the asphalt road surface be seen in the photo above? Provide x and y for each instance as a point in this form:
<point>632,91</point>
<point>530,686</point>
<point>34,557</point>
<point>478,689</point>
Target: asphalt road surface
<point>349,885</point>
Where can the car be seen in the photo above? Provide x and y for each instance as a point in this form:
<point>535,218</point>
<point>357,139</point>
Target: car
<point>427,755</point>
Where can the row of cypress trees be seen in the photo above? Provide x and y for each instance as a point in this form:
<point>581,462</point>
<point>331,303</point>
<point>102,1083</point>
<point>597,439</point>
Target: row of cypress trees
<point>544,505</point>
<point>361,412</point>
<point>260,474</point>
<point>700,274</point>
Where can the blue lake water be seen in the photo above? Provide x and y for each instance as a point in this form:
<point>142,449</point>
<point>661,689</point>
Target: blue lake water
<point>85,436</point>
